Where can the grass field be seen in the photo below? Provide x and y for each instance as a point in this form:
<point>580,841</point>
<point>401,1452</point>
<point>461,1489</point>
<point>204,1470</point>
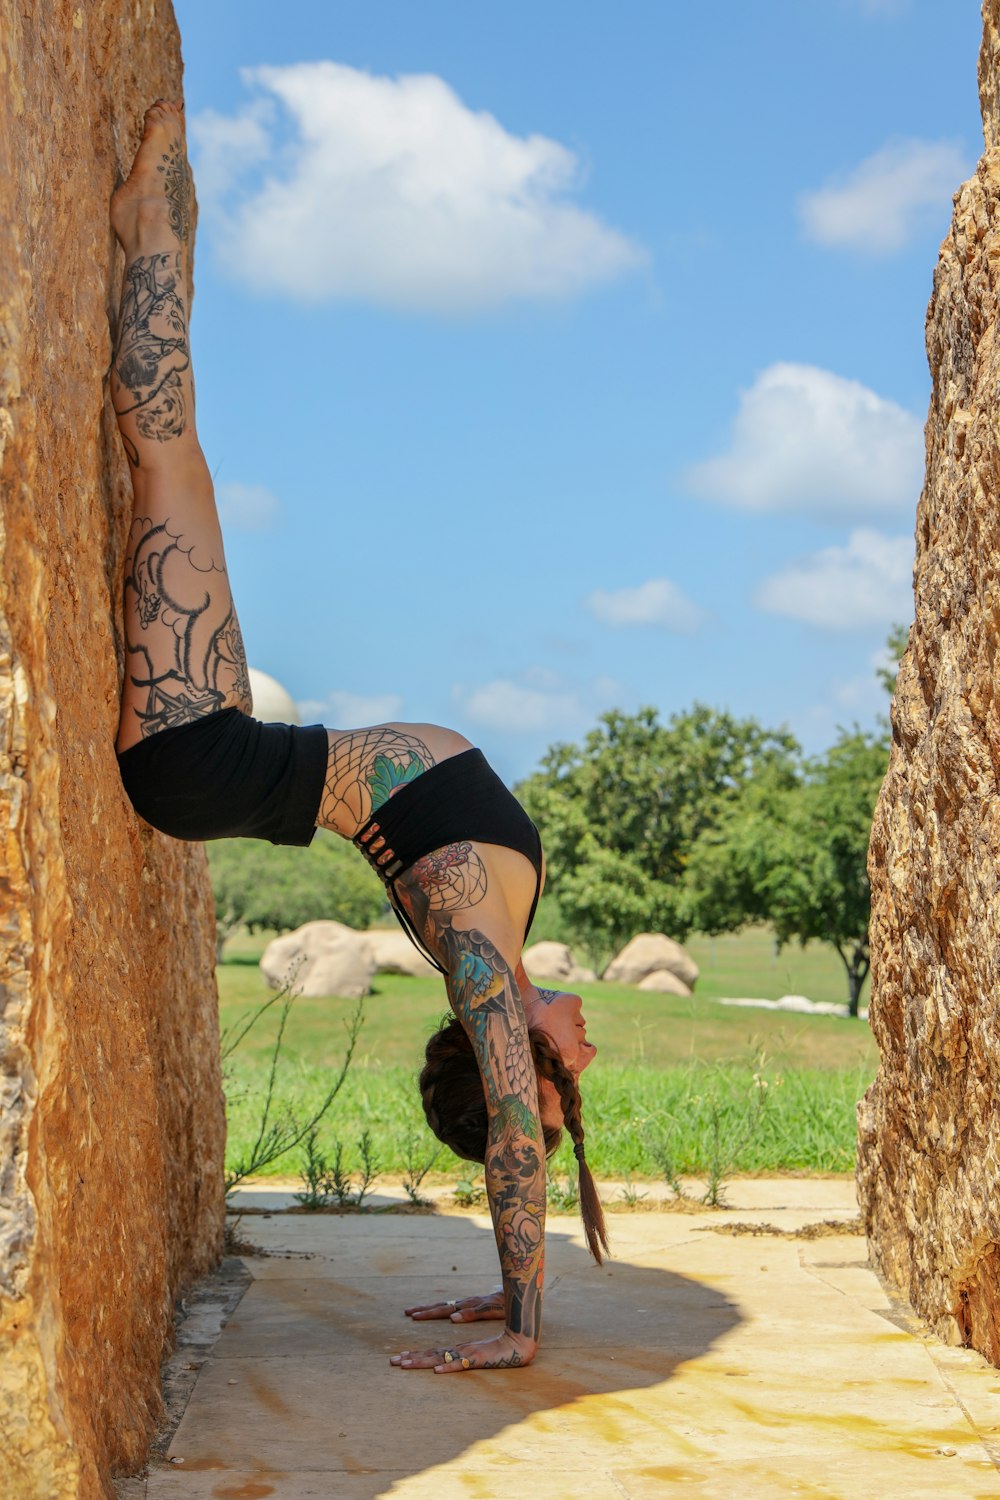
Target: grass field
<point>683,1085</point>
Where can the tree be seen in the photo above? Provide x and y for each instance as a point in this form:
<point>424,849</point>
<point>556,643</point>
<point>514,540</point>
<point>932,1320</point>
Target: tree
<point>896,643</point>
<point>796,855</point>
<point>620,813</point>
<point>257,884</point>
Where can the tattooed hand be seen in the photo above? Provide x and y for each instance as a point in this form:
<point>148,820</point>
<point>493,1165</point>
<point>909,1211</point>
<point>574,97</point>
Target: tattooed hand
<point>505,1353</point>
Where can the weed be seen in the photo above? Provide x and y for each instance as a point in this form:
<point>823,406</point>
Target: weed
<point>468,1193</point>
<point>563,1197</point>
<point>630,1195</point>
<point>369,1167</point>
<point>414,1174</point>
<point>275,1137</point>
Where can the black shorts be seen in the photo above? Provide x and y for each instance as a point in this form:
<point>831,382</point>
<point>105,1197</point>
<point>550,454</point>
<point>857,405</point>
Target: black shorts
<point>266,780</point>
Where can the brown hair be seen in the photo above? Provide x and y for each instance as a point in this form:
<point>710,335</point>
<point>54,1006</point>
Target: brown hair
<point>451,1087</point>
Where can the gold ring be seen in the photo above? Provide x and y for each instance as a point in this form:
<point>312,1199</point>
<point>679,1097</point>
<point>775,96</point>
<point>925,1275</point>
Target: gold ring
<point>466,1364</point>
<point>448,1357</point>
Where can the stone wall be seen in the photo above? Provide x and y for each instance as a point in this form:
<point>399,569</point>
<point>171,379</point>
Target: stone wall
<point>929,1149</point>
<point>111,1123</point>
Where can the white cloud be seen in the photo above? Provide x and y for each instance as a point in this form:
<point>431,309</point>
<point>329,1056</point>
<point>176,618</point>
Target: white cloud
<point>518,707</point>
<point>249,507</point>
<point>392,190</point>
<point>656,602</point>
<point>866,583</point>
<point>805,440</point>
<point>351,710</point>
<point>878,206</point>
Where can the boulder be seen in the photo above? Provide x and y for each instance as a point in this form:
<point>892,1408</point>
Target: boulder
<point>321,958</point>
<point>112,1123</point>
<point>395,954</point>
<point>555,961</point>
<point>664,982</point>
<point>929,1126</point>
<point>647,953</point>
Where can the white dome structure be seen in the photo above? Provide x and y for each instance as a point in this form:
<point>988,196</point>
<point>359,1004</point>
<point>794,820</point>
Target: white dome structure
<point>271,703</point>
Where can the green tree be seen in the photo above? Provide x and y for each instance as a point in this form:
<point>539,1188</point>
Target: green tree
<point>620,814</point>
<point>896,643</point>
<point>257,884</point>
<point>795,854</point>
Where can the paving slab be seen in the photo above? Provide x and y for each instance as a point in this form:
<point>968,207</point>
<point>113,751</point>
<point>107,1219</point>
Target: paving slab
<point>695,1363</point>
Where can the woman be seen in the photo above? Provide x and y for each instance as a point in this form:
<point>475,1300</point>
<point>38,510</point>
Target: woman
<point>461,860</point>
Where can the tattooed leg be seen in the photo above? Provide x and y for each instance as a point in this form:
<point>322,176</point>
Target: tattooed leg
<point>366,766</point>
<point>184,651</point>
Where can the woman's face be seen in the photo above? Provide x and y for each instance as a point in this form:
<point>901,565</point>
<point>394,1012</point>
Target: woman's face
<point>559,1014</point>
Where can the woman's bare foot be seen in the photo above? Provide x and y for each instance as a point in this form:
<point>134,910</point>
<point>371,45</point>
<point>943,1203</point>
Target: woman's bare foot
<point>151,211</point>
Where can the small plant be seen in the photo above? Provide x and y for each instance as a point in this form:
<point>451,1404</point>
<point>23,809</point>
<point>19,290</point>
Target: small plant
<point>316,1174</point>
<point>468,1193</point>
<point>630,1195</point>
<point>369,1167</point>
<point>415,1174</point>
<point>564,1197</point>
<point>729,1132</point>
<point>341,1186</point>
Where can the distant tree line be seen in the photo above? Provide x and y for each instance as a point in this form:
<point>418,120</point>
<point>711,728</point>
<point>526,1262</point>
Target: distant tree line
<point>708,823</point>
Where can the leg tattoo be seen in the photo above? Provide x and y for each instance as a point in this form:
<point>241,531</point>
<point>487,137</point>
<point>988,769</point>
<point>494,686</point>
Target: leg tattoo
<point>181,624</point>
<point>151,350</point>
<point>364,769</point>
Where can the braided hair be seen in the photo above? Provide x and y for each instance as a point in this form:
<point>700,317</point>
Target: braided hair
<point>451,1088</point>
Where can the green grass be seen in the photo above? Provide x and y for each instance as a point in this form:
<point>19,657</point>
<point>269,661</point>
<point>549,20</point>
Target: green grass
<point>674,1079</point>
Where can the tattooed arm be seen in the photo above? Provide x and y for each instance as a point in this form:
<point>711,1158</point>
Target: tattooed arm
<point>485,997</point>
<point>488,1003</point>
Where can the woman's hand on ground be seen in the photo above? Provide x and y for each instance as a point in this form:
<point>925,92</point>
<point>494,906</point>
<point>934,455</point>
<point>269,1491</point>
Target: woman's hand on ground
<point>460,1310</point>
<point>503,1353</point>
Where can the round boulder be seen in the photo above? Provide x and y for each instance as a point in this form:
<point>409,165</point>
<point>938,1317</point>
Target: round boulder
<point>395,954</point>
<point>327,957</point>
<point>645,954</point>
<point>664,983</point>
<point>555,961</point>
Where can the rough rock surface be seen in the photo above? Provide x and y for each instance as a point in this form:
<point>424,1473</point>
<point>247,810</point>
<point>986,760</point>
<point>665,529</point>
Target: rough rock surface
<point>647,952</point>
<point>664,982</point>
<point>395,954</point>
<point>321,958</point>
<point>929,1148</point>
<point>555,961</point>
<point>111,1119</point>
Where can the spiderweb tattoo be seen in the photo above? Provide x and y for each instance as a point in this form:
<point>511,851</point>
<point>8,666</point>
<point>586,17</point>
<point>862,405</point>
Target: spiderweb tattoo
<point>364,768</point>
<point>452,878</point>
<point>183,637</point>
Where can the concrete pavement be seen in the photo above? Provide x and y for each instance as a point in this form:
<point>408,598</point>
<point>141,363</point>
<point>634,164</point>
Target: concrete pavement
<point>695,1363</point>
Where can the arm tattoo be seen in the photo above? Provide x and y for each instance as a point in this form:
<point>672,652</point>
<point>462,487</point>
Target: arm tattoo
<point>182,627</point>
<point>487,1001</point>
<point>364,768</point>
<point>151,350</point>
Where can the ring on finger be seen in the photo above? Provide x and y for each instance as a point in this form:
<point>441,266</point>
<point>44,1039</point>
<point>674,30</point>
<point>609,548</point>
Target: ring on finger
<point>466,1364</point>
<point>451,1303</point>
<point>449,1358</point>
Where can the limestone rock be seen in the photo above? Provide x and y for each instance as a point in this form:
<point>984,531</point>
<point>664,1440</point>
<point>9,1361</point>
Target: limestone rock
<point>645,954</point>
<point>111,1112</point>
<point>321,958</point>
<point>664,982</point>
<point>929,1147</point>
<point>395,954</point>
<point>555,961</point>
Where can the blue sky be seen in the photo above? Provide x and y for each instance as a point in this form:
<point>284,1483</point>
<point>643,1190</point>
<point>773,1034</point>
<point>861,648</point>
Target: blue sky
<point>561,357</point>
